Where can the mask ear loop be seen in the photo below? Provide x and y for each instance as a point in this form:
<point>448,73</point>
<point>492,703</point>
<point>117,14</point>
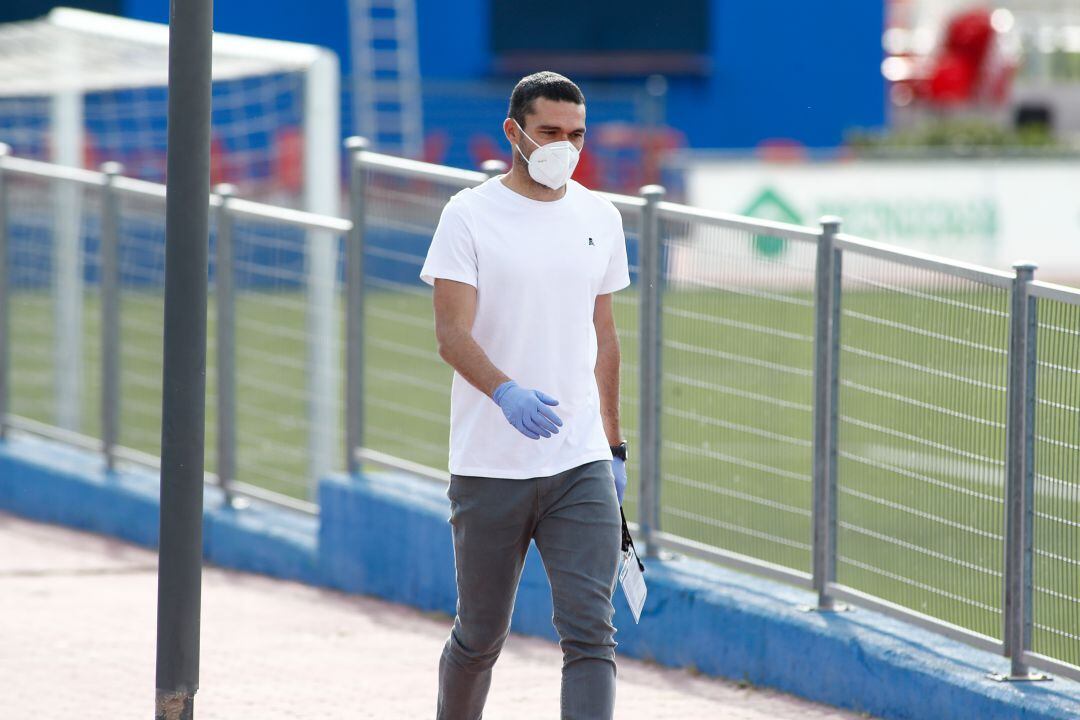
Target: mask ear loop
<point>518,148</point>
<point>518,145</point>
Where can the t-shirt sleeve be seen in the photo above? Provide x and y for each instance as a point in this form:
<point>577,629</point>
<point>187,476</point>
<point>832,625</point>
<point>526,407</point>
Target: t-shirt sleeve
<point>452,255</point>
<point>617,275</point>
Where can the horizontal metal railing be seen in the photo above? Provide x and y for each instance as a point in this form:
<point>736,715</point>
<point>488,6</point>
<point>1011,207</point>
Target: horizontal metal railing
<point>646,211</point>
<point>406,168</point>
<point>925,261</point>
<point>1051,291</point>
<point>691,214</point>
<point>144,188</point>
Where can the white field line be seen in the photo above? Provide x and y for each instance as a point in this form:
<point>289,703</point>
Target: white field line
<point>952,468</point>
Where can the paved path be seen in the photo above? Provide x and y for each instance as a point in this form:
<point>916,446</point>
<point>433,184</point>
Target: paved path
<point>77,641</point>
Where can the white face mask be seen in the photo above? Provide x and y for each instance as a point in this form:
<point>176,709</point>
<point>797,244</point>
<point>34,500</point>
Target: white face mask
<point>551,164</point>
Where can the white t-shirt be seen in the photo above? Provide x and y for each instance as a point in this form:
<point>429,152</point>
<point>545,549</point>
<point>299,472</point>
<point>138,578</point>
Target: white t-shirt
<point>537,267</point>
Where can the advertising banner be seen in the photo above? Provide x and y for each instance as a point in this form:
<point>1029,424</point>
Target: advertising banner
<point>989,212</point>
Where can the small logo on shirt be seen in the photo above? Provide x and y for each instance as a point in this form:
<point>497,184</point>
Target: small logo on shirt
<point>591,242</point>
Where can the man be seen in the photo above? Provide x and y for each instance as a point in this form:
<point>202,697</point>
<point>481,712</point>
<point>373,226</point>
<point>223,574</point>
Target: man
<point>523,268</point>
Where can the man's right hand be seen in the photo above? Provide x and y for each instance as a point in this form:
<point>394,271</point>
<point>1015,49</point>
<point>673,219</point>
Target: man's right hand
<point>528,410</point>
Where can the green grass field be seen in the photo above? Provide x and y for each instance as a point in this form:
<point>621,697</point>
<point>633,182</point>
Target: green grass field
<point>922,406</point>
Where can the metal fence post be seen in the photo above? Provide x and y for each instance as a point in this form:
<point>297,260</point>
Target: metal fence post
<point>494,168</point>
<point>5,300</point>
<point>67,266</point>
<point>225,337</point>
<point>1020,476</point>
<point>110,314</point>
<point>354,307</point>
<point>651,346</point>
<point>827,294</point>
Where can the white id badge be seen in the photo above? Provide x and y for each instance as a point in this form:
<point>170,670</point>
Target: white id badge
<point>633,583</point>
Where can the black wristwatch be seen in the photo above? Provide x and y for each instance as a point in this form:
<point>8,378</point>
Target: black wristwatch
<point>619,451</point>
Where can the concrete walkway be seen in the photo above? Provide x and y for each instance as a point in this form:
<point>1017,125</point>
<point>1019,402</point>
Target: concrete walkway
<point>78,635</point>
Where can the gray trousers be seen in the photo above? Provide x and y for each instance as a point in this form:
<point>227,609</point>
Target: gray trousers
<point>574,519</point>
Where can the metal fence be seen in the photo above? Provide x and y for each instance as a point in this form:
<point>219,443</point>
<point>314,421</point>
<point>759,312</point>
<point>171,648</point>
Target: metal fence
<point>888,429</point>
<point>83,272</point>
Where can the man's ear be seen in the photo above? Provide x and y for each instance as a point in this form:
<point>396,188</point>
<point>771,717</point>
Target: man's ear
<point>510,130</point>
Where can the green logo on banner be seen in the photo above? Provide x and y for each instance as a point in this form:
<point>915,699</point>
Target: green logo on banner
<point>770,206</point>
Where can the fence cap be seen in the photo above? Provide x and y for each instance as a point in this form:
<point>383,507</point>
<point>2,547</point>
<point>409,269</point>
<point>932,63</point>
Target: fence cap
<point>225,189</point>
<point>1025,266</point>
<point>494,166</point>
<point>831,220</point>
<point>112,168</point>
<point>5,149</point>
<point>355,143</point>
<point>653,190</point>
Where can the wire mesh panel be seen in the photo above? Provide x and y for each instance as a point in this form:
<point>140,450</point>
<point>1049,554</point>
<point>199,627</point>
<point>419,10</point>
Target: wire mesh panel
<point>921,468</point>
<point>275,348</point>
<point>32,306</point>
<point>141,254</point>
<point>1056,591</point>
<point>407,384</point>
<point>737,390</point>
<point>52,225</point>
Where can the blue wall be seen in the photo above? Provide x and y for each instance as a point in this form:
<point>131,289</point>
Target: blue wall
<point>780,69</point>
<point>791,69</point>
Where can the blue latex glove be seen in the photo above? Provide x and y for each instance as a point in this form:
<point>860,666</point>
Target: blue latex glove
<point>618,467</point>
<point>528,410</point>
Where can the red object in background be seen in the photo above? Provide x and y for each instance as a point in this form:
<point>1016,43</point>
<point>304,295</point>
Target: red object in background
<point>969,34</point>
<point>656,144</point>
<point>587,171</point>
<point>953,81</point>
<point>436,144</point>
<point>961,72</point>
<point>92,158</point>
<point>219,161</point>
<point>288,160</point>
<point>142,163</point>
<point>483,147</point>
<point>629,156</point>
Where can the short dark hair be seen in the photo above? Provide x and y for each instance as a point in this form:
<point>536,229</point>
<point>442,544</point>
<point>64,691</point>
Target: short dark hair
<point>546,84</point>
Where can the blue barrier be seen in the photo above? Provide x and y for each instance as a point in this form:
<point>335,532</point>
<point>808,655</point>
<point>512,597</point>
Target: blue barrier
<point>386,535</point>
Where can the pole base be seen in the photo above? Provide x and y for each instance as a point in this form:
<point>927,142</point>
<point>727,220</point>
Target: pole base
<point>232,502</point>
<point>1028,677</point>
<point>174,705</point>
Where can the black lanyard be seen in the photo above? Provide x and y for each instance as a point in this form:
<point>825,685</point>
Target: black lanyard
<point>627,541</point>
